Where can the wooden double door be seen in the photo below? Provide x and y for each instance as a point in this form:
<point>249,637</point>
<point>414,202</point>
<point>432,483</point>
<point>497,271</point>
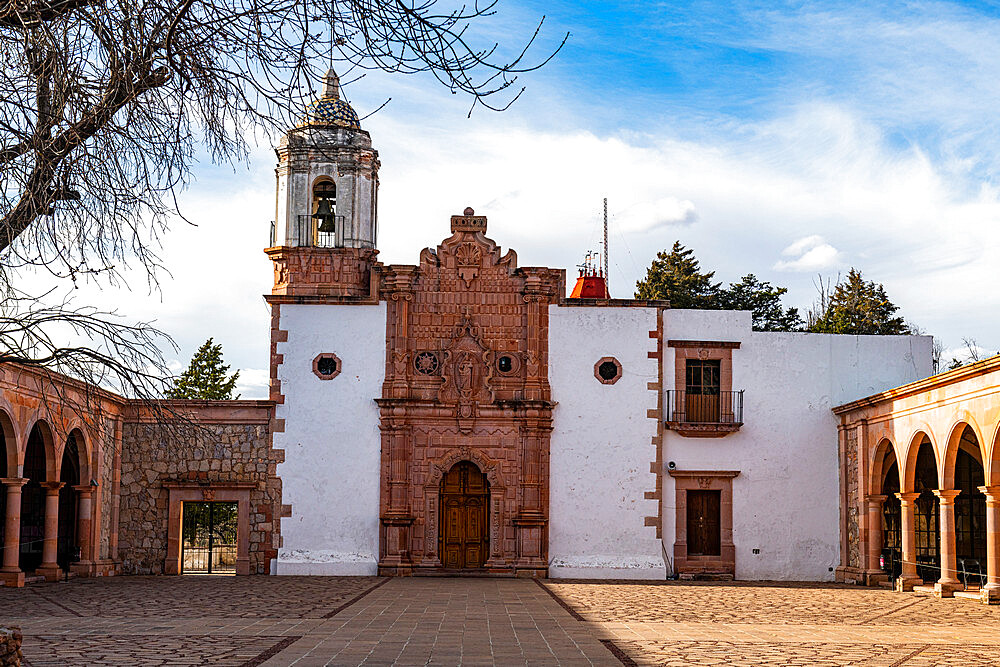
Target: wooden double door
<point>464,533</point>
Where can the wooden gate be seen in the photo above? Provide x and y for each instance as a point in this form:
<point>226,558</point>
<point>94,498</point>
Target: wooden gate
<point>464,536</point>
<point>703,530</point>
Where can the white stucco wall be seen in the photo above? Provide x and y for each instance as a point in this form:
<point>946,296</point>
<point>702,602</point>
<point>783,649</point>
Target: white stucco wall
<point>330,476</point>
<point>601,445</point>
<point>786,500</point>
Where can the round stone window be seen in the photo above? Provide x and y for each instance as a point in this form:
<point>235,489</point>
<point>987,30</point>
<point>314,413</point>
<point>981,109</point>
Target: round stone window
<point>326,366</point>
<point>608,370</point>
<point>507,364</point>
<point>426,363</point>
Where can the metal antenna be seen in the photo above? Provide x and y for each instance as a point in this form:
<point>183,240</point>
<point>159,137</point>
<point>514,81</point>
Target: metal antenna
<point>605,240</point>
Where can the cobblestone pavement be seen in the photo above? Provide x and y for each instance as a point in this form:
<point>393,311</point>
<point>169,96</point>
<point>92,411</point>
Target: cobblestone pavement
<point>305,621</point>
<point>783,624</point>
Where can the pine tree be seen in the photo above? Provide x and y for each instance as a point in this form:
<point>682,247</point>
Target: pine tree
<point>764,301</point>
<point>857,307</point>
<point>205,377</point>
<point>676,276</point>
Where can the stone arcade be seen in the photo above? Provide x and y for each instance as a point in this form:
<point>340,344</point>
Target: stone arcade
<point>462,414</point>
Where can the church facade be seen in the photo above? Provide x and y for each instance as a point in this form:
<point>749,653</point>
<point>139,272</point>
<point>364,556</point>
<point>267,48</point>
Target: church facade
<point>463,414</point>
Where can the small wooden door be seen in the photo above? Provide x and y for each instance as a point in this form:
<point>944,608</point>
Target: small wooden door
<point>703,530</point>
<point>464,538</point>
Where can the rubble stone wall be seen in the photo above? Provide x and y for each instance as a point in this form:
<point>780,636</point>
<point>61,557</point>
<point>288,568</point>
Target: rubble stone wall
<point>210,453</point>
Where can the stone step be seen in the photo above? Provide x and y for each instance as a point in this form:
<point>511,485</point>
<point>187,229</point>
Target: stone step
<point>969,595</point>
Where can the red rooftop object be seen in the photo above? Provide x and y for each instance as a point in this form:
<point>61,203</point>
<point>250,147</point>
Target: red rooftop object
<point>591,284</point>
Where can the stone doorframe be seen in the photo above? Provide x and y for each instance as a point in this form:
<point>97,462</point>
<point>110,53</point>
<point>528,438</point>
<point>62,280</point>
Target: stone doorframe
<point>432,494</point>
<point>704,480</point>
<point>181,492</point>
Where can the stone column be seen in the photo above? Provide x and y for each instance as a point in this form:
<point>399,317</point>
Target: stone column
<point>948,583</point>
<point>907,507</point>
<point>49,567</point>
<point>874,572</point>
<point>991,591</point>
<point>83,528</point>
<point>11,574</point>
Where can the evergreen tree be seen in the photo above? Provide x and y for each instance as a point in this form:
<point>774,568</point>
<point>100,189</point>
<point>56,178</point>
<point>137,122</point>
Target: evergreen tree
<point>857,307</point>
<point>205,377</point>
<point>764,301</point>
<point>676,276</point>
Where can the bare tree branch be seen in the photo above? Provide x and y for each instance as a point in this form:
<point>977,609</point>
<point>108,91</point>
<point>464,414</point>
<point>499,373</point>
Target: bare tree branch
<point>106,106</point>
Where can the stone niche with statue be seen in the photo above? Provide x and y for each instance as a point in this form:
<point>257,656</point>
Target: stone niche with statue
<point>466,410</point>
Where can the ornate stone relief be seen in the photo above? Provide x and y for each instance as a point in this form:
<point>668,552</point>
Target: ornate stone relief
<point>467,370</point>
<point>468,257</point>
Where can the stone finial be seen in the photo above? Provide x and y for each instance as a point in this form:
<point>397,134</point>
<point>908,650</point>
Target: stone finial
<point>331,84</point>
<point>468,222</point>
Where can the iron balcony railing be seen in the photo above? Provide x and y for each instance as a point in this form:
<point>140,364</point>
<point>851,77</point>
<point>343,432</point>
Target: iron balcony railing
<point>724,407</point>
<point>307,234</point>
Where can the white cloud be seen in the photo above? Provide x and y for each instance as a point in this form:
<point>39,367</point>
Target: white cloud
<point>894,213</point>
<point>663,212</point>
<point>811,253</point>
<point>253,383</point>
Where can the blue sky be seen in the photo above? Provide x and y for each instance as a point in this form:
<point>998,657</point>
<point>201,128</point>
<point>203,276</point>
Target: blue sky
<point>790,140</point>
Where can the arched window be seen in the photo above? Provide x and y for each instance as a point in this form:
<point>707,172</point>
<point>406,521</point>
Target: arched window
<point>327,232</point>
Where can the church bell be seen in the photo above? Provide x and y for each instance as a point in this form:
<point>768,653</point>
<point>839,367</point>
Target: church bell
<point>324,214</point>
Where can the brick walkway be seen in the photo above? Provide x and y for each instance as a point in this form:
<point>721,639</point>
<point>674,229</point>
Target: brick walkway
<point>248,621</point>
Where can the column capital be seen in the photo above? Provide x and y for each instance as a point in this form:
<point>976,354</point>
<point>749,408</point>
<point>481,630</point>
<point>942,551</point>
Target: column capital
<point>14,481</point>
<point>947,496</point>
<point>907,497</point>
<point>84,489</point>
<point>992,493</point>
<point>52,486</point>
<point>876,498</point>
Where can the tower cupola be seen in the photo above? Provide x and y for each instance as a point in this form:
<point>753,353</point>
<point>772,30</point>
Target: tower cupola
<point>327,177</point>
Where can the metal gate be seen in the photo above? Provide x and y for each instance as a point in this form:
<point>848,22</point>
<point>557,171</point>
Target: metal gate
<point>208,544</point>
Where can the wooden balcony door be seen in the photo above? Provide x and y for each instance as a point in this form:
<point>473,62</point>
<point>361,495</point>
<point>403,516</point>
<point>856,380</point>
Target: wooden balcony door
<point>704,537</point>
<point>464,538</point>
<point>702,390</point>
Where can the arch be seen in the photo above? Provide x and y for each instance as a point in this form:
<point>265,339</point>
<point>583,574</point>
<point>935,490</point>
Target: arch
<point>37,468</point>
<point>10,446</point>
<point>483,462</point>
<point>8,464</point>
<point>923,478</point>
<point>495,510</point>
<point>880,464</point>
<point>912,450</point>
<point>323,187</point>
<point>960,431</point>
<point>993,459</point>
<point>70,475</point>
<point>84,452</point>
<point>46,433</point>
<point>970,506</point>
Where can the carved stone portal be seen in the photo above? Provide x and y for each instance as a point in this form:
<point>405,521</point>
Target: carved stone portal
<point>464,306</point>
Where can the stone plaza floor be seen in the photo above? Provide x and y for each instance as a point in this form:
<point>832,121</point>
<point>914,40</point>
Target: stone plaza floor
<point>249,621</point>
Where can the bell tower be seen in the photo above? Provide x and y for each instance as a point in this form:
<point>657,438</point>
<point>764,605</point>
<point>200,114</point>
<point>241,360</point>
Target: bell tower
<point>325,226</point>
